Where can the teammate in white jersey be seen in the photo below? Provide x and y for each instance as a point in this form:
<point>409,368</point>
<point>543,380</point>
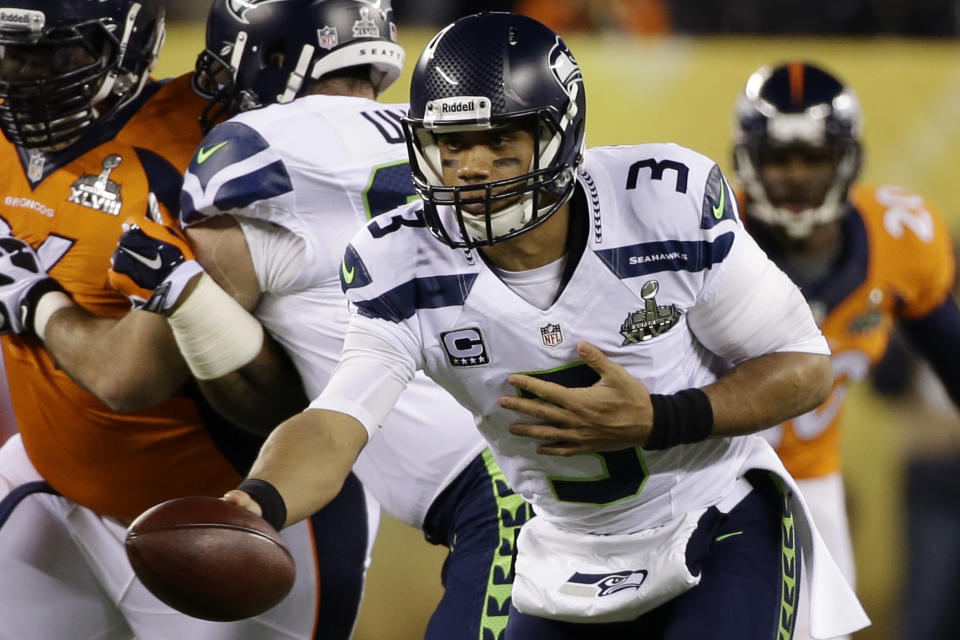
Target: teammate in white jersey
<point>271,200</point>
<point>551,293</point>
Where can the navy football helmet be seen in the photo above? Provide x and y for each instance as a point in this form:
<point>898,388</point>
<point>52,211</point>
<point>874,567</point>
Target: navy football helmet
<point>483,72</point>
<point>68,64</point>
<point>796,105</point>
<point>259,52</point>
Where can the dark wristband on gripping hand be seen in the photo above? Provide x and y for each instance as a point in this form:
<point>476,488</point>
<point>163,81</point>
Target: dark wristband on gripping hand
<point>29,304</point>
<point>272,507</point>
<point>680,418</point>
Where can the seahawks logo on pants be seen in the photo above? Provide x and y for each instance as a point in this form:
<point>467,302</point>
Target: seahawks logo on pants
<point>597,585</point>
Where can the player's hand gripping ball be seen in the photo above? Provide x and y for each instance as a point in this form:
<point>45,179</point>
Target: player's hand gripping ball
<point>210,559</point>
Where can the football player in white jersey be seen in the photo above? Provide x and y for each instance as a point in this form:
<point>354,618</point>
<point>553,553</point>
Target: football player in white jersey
<point>551,293</point>
<point>270,201</point>
<point>611,326</point>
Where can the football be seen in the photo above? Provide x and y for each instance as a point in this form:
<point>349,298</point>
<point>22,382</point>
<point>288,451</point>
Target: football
<point>210,559</point>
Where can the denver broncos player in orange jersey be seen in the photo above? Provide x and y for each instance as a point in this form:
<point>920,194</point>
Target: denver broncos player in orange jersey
<point>91,141</point>
<point>864,256</point>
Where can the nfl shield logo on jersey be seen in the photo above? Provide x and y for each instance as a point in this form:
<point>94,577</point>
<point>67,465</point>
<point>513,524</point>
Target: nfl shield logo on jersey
<point>37,161</point>
<point>551,335</point>
<point>327,37</point>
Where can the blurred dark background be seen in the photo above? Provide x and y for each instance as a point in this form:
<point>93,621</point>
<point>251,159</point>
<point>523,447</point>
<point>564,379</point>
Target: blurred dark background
<point>931,18</point>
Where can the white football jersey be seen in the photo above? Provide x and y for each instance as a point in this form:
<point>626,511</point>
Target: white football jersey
<point>662,238</point>
<point>301,178</point>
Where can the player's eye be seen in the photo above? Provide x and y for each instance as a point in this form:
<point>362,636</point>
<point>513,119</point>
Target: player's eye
<point>450,143</point>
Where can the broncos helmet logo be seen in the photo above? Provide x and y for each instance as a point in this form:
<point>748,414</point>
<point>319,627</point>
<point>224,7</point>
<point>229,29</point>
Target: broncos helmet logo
<point>239,8</point>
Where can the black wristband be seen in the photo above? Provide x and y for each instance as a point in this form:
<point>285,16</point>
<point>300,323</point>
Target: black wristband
<point>28,306</point>
<point>680,418</point>
<point>272,507</point>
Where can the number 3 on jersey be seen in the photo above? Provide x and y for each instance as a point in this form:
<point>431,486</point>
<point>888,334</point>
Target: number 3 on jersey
<point>390,186</point>
<point>623,472</point>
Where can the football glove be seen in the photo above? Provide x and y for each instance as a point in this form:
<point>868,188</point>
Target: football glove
<point>152,265</point>
<point>23,281</point>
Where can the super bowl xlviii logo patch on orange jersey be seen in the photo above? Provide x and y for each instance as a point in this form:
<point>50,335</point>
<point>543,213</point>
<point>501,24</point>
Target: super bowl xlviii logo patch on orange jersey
<point>551,335</point>
<point>465,347</point>
<point>871,318</point>
<point>650,322</point>
<point>598,585</point>
<point>99,193</point>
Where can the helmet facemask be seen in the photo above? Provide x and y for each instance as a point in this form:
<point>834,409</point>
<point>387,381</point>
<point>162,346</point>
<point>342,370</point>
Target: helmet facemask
<point>532,196</point>
<point>796,106</point>
<point>216,79</point>
<point>482,73</point>
<point>89,71</point>
<point>796,224</point>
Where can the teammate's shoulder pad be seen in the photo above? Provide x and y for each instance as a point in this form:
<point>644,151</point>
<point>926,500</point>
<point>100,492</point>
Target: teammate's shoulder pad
<point>719,200</point>
<point>227,143</point>
<point>216,182</point>
<point>387,246</point>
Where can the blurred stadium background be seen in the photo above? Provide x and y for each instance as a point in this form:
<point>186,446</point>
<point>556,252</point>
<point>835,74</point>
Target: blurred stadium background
<point>670,71</point>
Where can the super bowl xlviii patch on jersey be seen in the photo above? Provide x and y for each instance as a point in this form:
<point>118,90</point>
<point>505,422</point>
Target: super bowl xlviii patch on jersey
<point>597,585</point>
<point>465,347</point>
<point>551,335</point>
<point>99,193</point>
<point>652,321</point>
<point>871,318</point>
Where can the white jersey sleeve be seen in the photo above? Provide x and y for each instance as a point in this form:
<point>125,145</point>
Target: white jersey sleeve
<point>748,307</point>
<point>373,370</point>
<point>277,254</point>
<point>301,178</point>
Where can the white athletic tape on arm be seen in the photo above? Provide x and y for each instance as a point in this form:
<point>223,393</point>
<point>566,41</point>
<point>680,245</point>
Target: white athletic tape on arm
<point>46,307</point>
<point>215,334</point>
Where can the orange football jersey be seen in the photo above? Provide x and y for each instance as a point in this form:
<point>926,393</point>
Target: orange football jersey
<point>898,262</point>
<point>117,465</point>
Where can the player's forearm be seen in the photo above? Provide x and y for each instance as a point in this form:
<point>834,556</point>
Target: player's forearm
<point>261,394</point>
<point>130,364</point>
<point>937,337</point>
<point>767,390</point>
<point>308,457</point>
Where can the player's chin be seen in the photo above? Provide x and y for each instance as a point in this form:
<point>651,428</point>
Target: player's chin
<point>482,209</point>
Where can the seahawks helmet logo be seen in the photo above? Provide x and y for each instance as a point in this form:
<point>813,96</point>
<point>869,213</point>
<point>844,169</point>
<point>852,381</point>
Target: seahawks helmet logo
<point>239,8</point>
<point>564,66</point>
